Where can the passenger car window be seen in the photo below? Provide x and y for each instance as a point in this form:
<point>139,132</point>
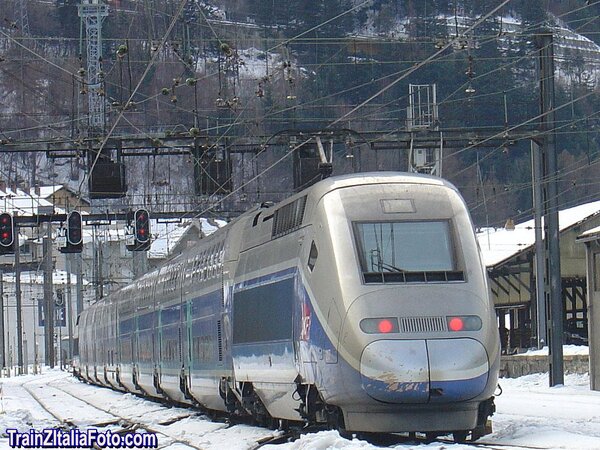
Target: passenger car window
<point>312,256</point>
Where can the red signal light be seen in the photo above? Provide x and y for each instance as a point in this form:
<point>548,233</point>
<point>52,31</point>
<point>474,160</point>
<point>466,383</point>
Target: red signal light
<point>142,226</point>
<point>7,233</point>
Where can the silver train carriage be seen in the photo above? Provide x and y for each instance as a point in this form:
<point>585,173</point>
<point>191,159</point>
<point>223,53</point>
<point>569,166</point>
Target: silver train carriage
<point>361,302</point>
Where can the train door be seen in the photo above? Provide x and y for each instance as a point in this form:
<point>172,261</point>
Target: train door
<point>112,345</point>
<point>155,346</point>
<point>263,329</point>
<point>134,348</point>
<point>187,294</point>
<point>187,331</point>
<point>126,336</point>
<point>170,348</point>
<point>158,365</point>
<point>159,344</point>
<point>184,342</point>
<point>223,315</point>
<point>102,344</point>
<point>95,334</point>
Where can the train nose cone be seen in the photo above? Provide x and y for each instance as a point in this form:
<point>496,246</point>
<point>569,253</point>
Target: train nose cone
<point>459,369</point>
<point>421,371</point>
<point>396,371</point>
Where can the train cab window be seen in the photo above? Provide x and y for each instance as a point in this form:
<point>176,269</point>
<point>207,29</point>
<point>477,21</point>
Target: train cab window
<point>312,256</point>
<point>406,251</point>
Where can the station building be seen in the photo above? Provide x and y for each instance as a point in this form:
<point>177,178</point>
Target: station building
<point>509,255</point>
<point>591,239</point>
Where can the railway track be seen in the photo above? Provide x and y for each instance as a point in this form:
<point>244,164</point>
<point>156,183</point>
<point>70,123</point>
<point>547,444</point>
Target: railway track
<point>71,410</point>
<point>393,440</point>
<point>76,405</point>
<point>63,405</point>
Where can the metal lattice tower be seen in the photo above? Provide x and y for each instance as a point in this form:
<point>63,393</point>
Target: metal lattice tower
<point>422,114</point>
<point>24,18</point>
<point>92,13</point>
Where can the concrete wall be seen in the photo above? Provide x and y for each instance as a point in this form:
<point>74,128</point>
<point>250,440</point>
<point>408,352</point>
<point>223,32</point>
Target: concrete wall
<point>518,365</point>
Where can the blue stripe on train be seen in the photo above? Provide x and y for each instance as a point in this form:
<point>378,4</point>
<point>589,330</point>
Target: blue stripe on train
<point>423,392</point>
<point>459,390</point>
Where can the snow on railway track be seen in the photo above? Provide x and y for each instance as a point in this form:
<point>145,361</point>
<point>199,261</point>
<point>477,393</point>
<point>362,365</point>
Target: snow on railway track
<point>75,404</point>
<point>528,417</point>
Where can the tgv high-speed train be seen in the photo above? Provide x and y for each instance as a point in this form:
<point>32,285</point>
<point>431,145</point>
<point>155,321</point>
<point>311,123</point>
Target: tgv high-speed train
<point>360,303</point>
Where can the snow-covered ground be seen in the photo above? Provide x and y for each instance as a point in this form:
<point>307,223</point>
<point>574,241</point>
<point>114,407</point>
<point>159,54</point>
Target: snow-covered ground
<point>529,415</point>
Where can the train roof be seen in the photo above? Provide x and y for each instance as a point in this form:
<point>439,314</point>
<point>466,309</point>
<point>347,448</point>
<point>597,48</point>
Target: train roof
<point>337,182</point>
<point>317,190</point>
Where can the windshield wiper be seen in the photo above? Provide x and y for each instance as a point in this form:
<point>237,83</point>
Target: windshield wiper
<point>391,268</point>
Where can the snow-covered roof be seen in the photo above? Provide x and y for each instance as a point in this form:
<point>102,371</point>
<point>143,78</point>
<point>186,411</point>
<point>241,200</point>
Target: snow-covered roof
<point>592,234</point>
<point>498,244</point>
<point>24,203</point>
<point>166,235</point>
<point>45,191</point>
<point>59,277</point>
<point>169,234</point>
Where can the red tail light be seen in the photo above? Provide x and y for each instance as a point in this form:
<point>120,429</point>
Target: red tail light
<point>456,324</point>
<point>385,326</point>
<point>382,325</point>
<point>463,323</point>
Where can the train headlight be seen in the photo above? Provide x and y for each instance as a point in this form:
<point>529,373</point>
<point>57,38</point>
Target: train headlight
<point>380,325</point>
<point>463,323</point>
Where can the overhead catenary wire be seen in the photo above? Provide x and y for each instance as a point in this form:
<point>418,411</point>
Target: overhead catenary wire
<point>132,95</point>
<point>297,106</point>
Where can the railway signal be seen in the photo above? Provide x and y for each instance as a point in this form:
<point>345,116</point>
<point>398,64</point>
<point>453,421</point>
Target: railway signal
<point>138,238</point>
<point>7,234</point>
<point>72,239</point>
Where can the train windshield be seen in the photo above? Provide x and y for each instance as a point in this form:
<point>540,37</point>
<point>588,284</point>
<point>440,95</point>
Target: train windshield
<point>399,247</point>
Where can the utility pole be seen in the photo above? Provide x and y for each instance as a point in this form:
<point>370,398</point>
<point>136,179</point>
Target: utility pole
<point>48,298</point>
<point>541,320</point>
<point>140,263</point>
<point>79,295</point>
<point>19,303</point>
<point>544,44</point>
<point>69,310</point>
<point>2,343</point>
<point>79,277</point>
<point>98,276</point>
<point>100,255</point>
